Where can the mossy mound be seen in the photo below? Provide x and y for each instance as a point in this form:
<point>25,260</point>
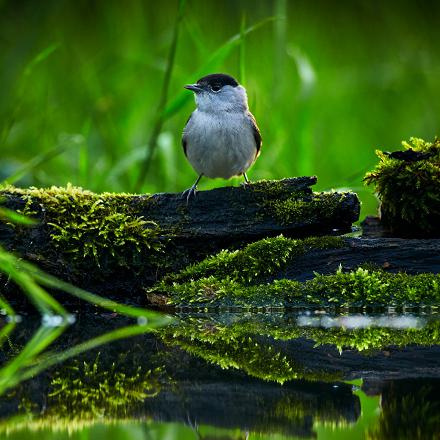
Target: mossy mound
<point>93,229</point>
<point>312,208</point>
<point>254,262</point>
<point>408,186</point>
<point>355,288</point>
<point>239,279</point>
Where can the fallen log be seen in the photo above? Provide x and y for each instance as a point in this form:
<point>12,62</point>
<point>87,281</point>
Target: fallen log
<point>118,243</point>
<point>86,237</point>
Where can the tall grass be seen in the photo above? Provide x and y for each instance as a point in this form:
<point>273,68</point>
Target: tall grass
<point>160,117</point>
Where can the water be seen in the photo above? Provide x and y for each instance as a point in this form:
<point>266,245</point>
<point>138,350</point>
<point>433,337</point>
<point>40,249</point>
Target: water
<point>308,374</point>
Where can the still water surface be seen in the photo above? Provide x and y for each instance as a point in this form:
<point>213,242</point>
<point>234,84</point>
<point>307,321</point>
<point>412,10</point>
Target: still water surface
<point>222,376</point>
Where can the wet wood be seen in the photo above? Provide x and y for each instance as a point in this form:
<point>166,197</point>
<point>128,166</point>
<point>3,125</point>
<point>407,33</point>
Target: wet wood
<point>391,254</point>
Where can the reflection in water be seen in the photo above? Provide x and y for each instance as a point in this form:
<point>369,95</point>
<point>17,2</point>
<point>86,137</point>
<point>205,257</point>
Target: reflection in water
<point>227,377</point>
<point>363,321</point>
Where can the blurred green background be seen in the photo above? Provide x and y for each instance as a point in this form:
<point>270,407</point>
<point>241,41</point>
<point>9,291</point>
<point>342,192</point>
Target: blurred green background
<point>81,84</point>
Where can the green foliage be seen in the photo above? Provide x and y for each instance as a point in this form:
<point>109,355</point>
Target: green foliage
<point>257,260</point>
<point>409,190</point>
<point>245,342</point>
<point>237,348</point>
<point>93,227</point>
<point>355,288</point>
<point>86,391</point>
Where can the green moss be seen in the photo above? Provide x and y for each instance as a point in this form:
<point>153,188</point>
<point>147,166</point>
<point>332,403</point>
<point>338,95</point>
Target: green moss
<point>299,208</point>
<point>279,189</point>
<point>409,191</point>
<point>85,391</point>
<point>255,261</point>
<point>93,228</point>
<point>239,349</point>
<point>355,288</point>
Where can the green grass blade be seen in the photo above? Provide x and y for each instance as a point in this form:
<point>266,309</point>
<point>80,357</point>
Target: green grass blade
<point>5,331</point>
<point>53,282</point>
<point>22,81</point>
<point>157,126</point>
<point>10,375</point>
<point>15,217</point>
<point>39,58</point>
<point>242,60</point>
<point>54,358</point>
<point>6,307</point>
<point>13,267</point>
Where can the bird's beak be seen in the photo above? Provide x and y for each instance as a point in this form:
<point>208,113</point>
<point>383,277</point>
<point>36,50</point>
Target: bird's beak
<point>194,88</point>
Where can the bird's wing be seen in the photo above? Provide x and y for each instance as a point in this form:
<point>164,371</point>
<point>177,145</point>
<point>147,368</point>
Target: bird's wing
<point>184,135</point>
<point>256,133</point>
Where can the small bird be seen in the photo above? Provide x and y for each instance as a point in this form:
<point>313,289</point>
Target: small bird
<point>221,137</point>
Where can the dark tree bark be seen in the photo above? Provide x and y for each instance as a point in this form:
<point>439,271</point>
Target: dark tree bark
<point>392,254</point>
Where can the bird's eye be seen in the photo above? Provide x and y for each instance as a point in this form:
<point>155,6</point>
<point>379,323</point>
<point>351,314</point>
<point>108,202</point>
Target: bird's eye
<point>215,88</point>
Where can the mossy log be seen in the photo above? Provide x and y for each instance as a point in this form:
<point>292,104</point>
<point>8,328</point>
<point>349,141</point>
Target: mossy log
<point>119,243</point>
<point>81,235</point>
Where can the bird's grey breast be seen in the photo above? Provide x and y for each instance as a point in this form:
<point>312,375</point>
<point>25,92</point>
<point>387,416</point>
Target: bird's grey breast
<point>220,144</point>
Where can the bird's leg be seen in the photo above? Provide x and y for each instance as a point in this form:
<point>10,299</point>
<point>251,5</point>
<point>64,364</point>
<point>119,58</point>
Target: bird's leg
<point>191,191</point>
<point>246,180</point>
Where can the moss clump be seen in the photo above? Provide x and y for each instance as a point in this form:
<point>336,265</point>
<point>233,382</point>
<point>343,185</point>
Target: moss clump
<point>300,206</point>
<point>255,261</point>
<point>355,288</point>
<point>93,228</point>
<point>307,209</point>
<point>85,391</point>
<point>408,186</point>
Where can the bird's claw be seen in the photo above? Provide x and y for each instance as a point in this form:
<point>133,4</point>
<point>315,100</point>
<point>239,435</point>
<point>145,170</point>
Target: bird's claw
<point>246,182</point>
<point>189,192</point>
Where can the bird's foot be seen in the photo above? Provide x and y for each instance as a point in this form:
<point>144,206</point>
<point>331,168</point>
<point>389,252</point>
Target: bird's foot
<point>189,192</point>
<point>246,182</point>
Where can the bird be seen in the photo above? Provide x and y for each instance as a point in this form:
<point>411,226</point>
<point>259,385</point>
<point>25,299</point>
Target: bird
<point>221,138</point>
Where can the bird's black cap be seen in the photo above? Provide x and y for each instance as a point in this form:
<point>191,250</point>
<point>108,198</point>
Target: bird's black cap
<point>217,79</point>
